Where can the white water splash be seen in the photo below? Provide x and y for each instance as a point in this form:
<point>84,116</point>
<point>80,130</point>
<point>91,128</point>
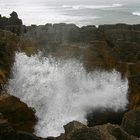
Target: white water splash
<point>62,91</point>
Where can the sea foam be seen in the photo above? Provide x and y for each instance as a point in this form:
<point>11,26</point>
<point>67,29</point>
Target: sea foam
<point>78,7</point>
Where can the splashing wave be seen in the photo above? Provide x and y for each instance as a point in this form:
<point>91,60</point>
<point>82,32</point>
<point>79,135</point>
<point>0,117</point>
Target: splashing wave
<point>62,91</point>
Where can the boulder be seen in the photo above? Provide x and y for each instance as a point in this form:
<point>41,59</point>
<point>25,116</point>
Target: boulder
<point>100,132</point>
<point>70,128</point>
<point>18,114</point>
<point>131,122</point>
<point>8,133</point>
<point>8,46</point>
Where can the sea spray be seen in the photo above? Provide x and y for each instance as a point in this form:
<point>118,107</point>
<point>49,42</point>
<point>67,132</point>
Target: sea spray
<point>62,91</point>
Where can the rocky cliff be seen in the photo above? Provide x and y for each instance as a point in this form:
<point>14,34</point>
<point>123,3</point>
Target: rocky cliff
<point>8,46</point>
<point>11,108</point>
<point>106,47</point>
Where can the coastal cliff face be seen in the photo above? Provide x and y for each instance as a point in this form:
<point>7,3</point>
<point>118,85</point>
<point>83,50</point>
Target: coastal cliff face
<point>11,108</point>
<point>106,47</point>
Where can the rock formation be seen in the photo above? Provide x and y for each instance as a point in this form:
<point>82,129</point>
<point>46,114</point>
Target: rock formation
<point>17,113</point>
<point>131,122</point>
<point>8,46</point>
<point>13,24</point>
<point>8,133</point>
<point>77,131</point>
<point>107,47</point>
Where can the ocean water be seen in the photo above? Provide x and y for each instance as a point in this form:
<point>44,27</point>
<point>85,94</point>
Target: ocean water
<point>80,12</point>
<point>62,91</point>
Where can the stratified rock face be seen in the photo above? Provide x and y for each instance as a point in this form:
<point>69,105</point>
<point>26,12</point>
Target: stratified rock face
<point>114,33</point>
<point>8,46</point>
<point>134,85</point>
<point>69,41</point>
<point>63,34</point>
<point>107,47</point>
<point>131,122</point>
<point>17,113</point>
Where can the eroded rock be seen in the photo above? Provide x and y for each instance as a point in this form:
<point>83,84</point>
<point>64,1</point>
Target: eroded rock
<point>8,133</point>
<point>17,113</point>
<point>131,122</point>
<point>99,132</point>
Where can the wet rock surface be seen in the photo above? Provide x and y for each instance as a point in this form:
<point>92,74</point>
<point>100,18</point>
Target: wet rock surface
<point>131,122</point>
<point>8,46</point>
<point>8,133</point>
<point>17,113</point>
<point>99,132</point>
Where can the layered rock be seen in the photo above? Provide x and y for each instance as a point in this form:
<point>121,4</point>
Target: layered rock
<point>18,114</point>
<point>8,46</point>
<point>107,47</point>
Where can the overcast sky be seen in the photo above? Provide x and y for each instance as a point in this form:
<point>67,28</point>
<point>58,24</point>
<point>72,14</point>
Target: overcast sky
<point>74,1</point>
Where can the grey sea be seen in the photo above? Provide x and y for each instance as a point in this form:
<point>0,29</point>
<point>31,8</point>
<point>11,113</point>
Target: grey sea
<point>79,12</point>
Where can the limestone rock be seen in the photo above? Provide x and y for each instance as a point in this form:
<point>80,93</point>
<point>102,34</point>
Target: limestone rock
<point>8,133</point>
<point>8,46</point>
<point>131,122</point>
<point>17,113</point>
<point>134,88</point>
<point>73,126</point>
<point>101,132</point>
